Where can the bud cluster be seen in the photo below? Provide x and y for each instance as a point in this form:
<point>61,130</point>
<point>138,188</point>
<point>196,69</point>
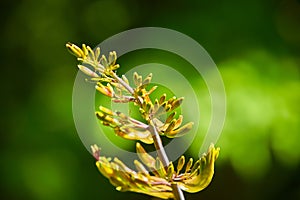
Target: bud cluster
<point>152,178</point>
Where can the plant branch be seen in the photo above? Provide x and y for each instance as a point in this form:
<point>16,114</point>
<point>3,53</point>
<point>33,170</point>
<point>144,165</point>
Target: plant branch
<point>123,83</point>
<point>164,183</point>
<point>158,145</point>
<point>178,194</point>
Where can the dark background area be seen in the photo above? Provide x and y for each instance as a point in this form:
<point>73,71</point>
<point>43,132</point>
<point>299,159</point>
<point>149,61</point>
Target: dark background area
<point>255,44</point>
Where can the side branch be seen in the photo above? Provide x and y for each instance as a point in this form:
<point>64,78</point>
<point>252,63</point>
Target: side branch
<point>125,85</point>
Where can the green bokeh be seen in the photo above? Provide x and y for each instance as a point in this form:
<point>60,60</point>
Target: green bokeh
<point>255,45</point>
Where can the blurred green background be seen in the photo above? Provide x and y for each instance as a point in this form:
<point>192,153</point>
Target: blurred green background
<point>255,44</point>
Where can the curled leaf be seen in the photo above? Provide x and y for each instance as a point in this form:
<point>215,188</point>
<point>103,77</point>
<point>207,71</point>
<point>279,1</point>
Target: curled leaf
<point>97,53</point>
<point>112,58</point>
<point>125,179</point>
<point>178,122</point>
<point>75,50</point>
<point>180,164</point>
<point>202,173</point>
<point>136,79</point>
<point>147,80</point>
<point>162,98</point>
<point>170,171</point>
<point>180,131</point>
<point>106,90</point>
<point>194,179</point>
<point>145,157</point>
<point>103,61</point>
<point>170,117</point>
<point>124,126</point>
<point>189,165</point>
<point>160,168</point>
<point>140,167</point>
<point>177,103</point>
<point>171,126</point>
